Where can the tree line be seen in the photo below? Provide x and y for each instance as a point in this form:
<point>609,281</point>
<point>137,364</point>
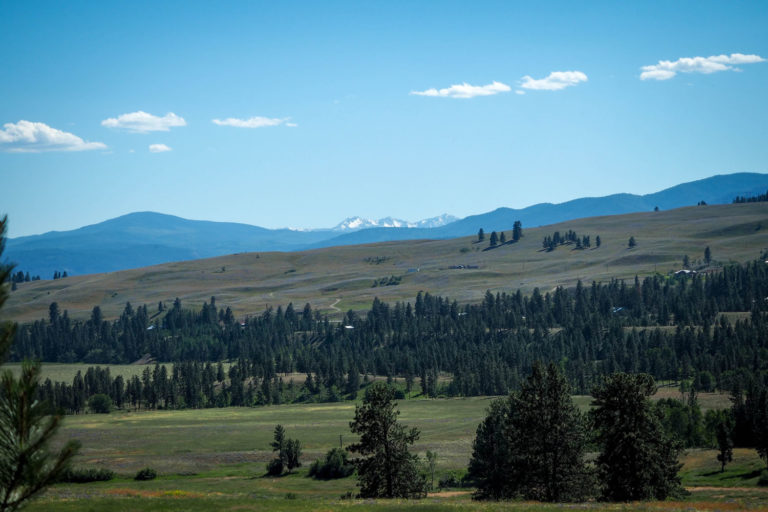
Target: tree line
<point>486,347</point>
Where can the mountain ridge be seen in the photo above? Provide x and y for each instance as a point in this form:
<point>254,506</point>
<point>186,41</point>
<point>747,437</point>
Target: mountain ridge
<point>140,239</point>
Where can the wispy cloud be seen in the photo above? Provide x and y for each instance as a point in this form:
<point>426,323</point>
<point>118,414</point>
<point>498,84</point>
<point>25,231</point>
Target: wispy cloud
<point>465,90</point>
<point>254,122</point>
<point>666,69</point>
<point>159,148</point>
<point>555,81</point>
<point>31,137</point>
<point>142,122</point>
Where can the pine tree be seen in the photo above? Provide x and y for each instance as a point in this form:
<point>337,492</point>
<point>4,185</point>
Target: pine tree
<point>27,466</point>
<point>489,465</point>
<point>386,469</point>
<point>494,239</point>
<point>724,445</point>
<point>548,439</point>
<point>637,460</point>
<point>632,242</point>
<point>480,235</point>
<point>533,446</point>
<point>517,231</point>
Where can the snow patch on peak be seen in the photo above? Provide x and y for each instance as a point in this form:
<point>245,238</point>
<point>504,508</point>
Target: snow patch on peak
<point>357,223</point>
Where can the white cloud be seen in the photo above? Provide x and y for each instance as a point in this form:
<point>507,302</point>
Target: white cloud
<point>159,148</point>
<point>30,137</point>
<point>666,69</point>
<point>142,122</point>
<point>556,81</point>
<point>465,90</point>
<point>519,92</point>
<point>253,122</point>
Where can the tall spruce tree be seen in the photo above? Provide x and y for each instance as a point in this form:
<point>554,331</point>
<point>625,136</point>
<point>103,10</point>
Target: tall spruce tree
<point>27,465</point>
<point>517,231</point>
<point>489,465</point>
<point>386,469</point>
<point>637,460</point>
<point>724,444</point>
<point>547,436</point>
<point>533,447</point>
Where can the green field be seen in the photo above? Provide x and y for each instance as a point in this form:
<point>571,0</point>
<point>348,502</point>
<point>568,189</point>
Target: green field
<point>336,279</point>
<point>214,459</point>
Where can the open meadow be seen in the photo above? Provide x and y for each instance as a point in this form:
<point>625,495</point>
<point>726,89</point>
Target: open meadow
<point>214,459</point>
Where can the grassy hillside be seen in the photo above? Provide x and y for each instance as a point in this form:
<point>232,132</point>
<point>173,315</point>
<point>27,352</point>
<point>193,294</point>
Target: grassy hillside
<point>341,278</point>
<point>223,468</point>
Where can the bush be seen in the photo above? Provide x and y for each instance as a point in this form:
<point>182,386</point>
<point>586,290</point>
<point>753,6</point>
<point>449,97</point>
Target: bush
<point>83,475</point>
<point>449,480</point>
<point>335,465</point>
<point>275,467</point>
<point>763,481</point>
<point>146,474</point>
<point>100,404</point>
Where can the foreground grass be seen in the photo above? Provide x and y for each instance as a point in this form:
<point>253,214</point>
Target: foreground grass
<point>214,459</point>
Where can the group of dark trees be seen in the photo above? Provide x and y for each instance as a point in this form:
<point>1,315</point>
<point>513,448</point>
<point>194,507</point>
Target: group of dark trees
<point>192,384</point>
<point>551,242</point>
<point>486,347</point>
<point>22,277</point>
<point>532,445</point>
<point>288,453</point>
<point>759,198</point>
<point>500,238</point>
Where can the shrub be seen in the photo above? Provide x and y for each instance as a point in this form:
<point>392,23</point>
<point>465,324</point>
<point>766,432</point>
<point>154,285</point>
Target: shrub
<point>335,465</point>
<point>275,467</point>
<point>100,404</point>
<point>84,475</point>
<point>146,474</point>
<point>449,480</point>
<point>763,481</point>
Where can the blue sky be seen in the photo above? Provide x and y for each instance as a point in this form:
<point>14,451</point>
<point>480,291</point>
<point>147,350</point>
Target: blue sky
<point>303,113</point>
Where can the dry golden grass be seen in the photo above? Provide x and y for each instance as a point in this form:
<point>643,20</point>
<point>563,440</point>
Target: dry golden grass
<point>336,279</point>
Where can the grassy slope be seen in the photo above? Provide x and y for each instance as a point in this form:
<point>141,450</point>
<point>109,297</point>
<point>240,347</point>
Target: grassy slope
<point>339,278</point>
<point>214,460</point>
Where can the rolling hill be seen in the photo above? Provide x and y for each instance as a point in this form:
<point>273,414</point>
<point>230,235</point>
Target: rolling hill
<point>339,278</point>
<point>146,238</point>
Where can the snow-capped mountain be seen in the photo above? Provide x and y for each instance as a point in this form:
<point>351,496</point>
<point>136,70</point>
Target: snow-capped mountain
<point>356,223</point>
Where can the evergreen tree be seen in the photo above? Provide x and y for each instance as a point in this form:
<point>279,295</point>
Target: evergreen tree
<point>489,465</point>
<point>480,235</point>
<point>494,239</point>
<point>547,438</point>
<point>502,238</point>
<point>27,466</point>
<point>707,255</point>
<point>517,231</point>
<point>724,445</point>
<point>632,242</point>
<point>278,441</point>
<point>598,241</point>
<point>533,446</point>
<point>292,454</point>
<point>637,460</point>
<point>387,469</point>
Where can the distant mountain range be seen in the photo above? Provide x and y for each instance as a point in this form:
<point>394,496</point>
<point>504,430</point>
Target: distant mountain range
<point>147,238</point>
